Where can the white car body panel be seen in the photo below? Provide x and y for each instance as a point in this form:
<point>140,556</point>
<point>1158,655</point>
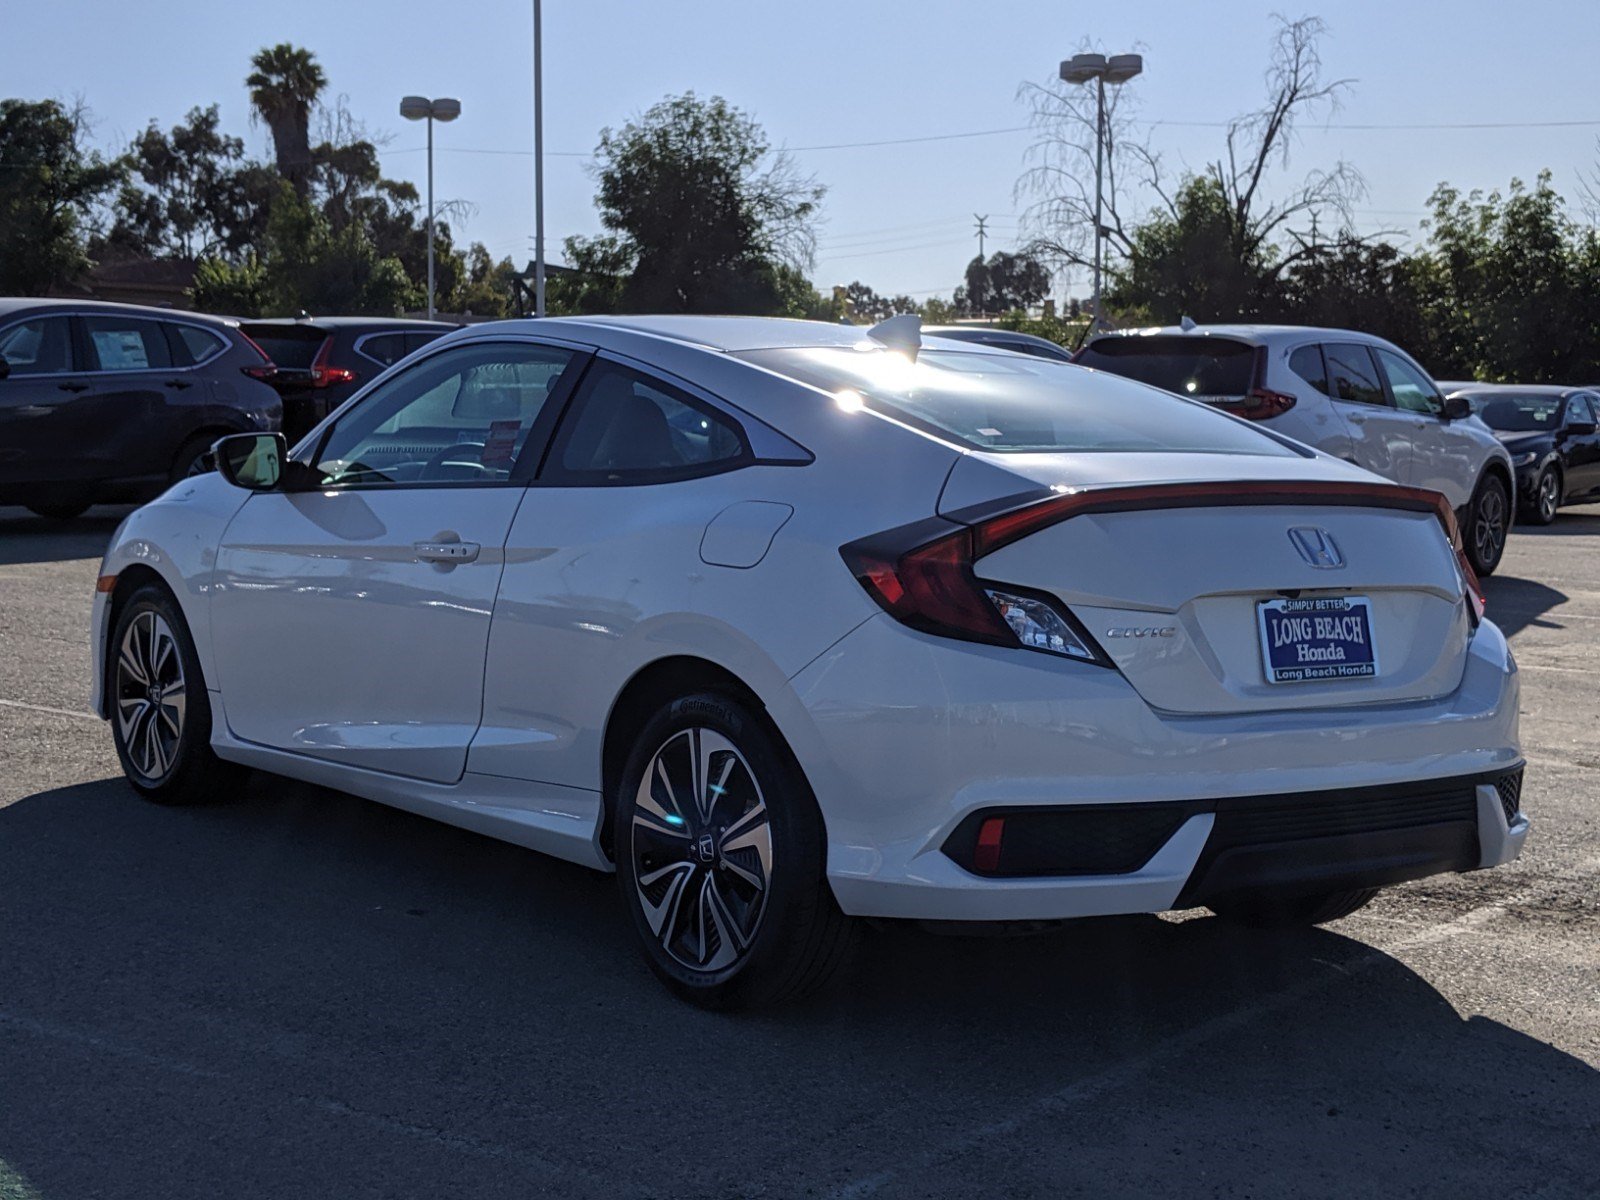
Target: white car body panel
<point>479,693</point>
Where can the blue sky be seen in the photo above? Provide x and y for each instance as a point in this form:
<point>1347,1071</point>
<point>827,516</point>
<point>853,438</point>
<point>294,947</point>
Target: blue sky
<point>898,217</point>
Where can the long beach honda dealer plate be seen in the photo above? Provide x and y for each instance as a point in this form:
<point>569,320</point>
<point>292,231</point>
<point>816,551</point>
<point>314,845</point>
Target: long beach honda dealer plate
<point>1326,638</point>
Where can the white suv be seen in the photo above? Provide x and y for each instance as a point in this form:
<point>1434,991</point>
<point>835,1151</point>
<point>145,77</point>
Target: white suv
<point>1351,395</point>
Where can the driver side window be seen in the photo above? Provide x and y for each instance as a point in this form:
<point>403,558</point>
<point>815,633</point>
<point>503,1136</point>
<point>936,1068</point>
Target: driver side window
<point>1413,391</point>
<point>458,417</point>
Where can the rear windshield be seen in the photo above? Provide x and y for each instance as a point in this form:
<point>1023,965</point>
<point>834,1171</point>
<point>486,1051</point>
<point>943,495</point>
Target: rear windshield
<point>1190,366</point>
<point>289,346</point>
<point>1514,413</point>
<point>1013,403</point>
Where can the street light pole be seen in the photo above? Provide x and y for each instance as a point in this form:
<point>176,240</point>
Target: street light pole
<point>1083,68</point>
<point>538,162</point>
<point>420,108</point>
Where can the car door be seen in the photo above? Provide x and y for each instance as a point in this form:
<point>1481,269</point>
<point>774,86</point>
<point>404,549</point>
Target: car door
<point>133,417</point>
<point>351,621</point>
<point>1580,444</point>
<point>1445,456</point>
<point>1380,437</point>
<point>39,402</point>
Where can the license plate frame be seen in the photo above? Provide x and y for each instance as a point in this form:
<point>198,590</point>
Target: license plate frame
<point>1325,647</point>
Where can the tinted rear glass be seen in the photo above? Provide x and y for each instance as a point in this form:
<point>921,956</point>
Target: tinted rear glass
<point>1013,403</point>
<point>1190,366</point>
<point>287,345</point>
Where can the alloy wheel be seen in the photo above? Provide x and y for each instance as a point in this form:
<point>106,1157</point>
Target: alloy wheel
<point>1549,495</point>
<point>1489,532</point>
<point>702,850</point>
<point>151,700</point>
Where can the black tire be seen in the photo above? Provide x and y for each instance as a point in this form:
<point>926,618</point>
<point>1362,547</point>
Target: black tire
<point>1267,911</point>
<point>1488,523</point>
<point>59,512</point>
<point>151,649</point>
<point>712,936</point>
<point>191,457</point>
<point>1546,498</point>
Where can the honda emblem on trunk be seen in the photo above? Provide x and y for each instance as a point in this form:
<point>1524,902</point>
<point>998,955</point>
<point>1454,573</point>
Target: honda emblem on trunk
<point>1316,546</point>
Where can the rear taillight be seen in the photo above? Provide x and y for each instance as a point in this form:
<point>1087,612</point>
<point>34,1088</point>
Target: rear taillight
<point>1261,403</point>
<point>924,578</point>
<point>324,374</point>
<point>264,370</point>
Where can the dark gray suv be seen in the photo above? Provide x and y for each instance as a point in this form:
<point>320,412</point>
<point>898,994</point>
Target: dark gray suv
<point>103,403</point>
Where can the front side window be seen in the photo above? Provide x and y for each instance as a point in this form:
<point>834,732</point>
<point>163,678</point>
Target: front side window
<point>1010,403</point>
<point>1412,390</point>
<point>124,344</point>
<point>460,417</point>
<point>40,346</point>
<point>1581,410</point>
<point>626,427</point>
<point>1352,376</point>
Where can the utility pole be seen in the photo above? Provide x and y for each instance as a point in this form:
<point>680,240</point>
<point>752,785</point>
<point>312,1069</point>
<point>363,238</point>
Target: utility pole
<point>538,162</point>
<point>982,230</point>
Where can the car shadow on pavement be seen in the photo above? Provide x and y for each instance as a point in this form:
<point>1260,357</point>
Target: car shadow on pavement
<point>301,993</point>
<point>1513,604</point>
<point>25,538</point>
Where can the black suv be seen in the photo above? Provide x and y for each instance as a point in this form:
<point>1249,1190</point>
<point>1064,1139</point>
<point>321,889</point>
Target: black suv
<point>321,361</point>
<point>105,403</point>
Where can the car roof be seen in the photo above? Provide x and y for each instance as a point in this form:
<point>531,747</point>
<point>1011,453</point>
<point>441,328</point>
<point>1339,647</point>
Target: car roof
<point>730,334</point>
<point>10,305</point>
<point>1518,389</point>
<point>355,323</point>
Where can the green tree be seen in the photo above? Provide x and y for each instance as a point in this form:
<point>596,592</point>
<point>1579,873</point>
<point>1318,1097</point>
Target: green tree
<point>284,87</point>
<point>1003,283</point>
<point>701,214</point>
<point>50,183</point>
<point>191,192</point>
<point>235,289</point>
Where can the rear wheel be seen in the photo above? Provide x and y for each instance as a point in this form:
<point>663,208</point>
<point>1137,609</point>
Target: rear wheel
<point>1269,911</point>
<point>1546,497</point>
<point>160,714</point>
<point>1488,522</point>
<point>720,858</point>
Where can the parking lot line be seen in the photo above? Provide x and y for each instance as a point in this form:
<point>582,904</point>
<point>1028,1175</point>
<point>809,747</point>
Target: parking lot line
<point>45,708</point>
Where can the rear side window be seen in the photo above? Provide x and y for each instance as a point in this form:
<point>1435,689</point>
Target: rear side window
<point>292,347</point>
<point>416,341</point>
<point>1352,375</point>
<point>385,348</point>
<point>626,427</point>
<point>41,346</point>
<point>196,344</point>
<point>1014,403</point>
<point>1189,366</point>
<point>1306,362</point>
<point>124,344</point>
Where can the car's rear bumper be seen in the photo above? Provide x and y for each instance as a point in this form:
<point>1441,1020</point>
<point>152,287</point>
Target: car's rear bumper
<point>912,740</point>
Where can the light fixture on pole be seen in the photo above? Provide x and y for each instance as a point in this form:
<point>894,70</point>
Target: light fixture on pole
<point>1084,68</point>
<point>420,108</point>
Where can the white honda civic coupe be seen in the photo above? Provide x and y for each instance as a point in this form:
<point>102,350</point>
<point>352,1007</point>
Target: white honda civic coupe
<point>790,623</point>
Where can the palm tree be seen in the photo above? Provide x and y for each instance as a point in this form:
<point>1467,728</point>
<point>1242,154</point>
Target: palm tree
<point>283,87</point>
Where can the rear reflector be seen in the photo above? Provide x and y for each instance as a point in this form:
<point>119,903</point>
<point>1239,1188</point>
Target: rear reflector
<point>986,853</point>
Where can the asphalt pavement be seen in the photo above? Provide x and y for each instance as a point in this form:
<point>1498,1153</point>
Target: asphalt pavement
<point>301,994</point>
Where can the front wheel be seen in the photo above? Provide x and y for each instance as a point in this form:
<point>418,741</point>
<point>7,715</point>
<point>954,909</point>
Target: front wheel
<point>160,714</point>
<point>193,458</point>
<point>1271,911</point>
<point>1546,497</point>
<point>720,858</point>
<point>1488,522</point>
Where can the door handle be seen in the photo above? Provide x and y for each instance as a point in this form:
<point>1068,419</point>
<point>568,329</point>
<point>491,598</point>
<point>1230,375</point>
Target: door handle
<point>446,552</point>
<point>73,387</point>
<point>179,384</point>
<point>1356,419</point>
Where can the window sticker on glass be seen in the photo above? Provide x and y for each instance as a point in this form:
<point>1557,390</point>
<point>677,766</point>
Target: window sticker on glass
<point>499,448</point>
<point>120,349</point>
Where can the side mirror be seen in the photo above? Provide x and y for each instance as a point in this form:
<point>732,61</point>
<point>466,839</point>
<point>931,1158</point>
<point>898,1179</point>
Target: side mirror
<point>1456,407</point>
<point>5,367</point>
<point>1582,428</point>
<point>253,461</point>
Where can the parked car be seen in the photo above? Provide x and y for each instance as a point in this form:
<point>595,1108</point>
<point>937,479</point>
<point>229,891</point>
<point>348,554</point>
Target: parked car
<point>1553,436</point>
<point>322,361</point>
<point>957,635</point>
<point>114,402</point>
<point>1002,339</point>
<point>1351,395</point>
